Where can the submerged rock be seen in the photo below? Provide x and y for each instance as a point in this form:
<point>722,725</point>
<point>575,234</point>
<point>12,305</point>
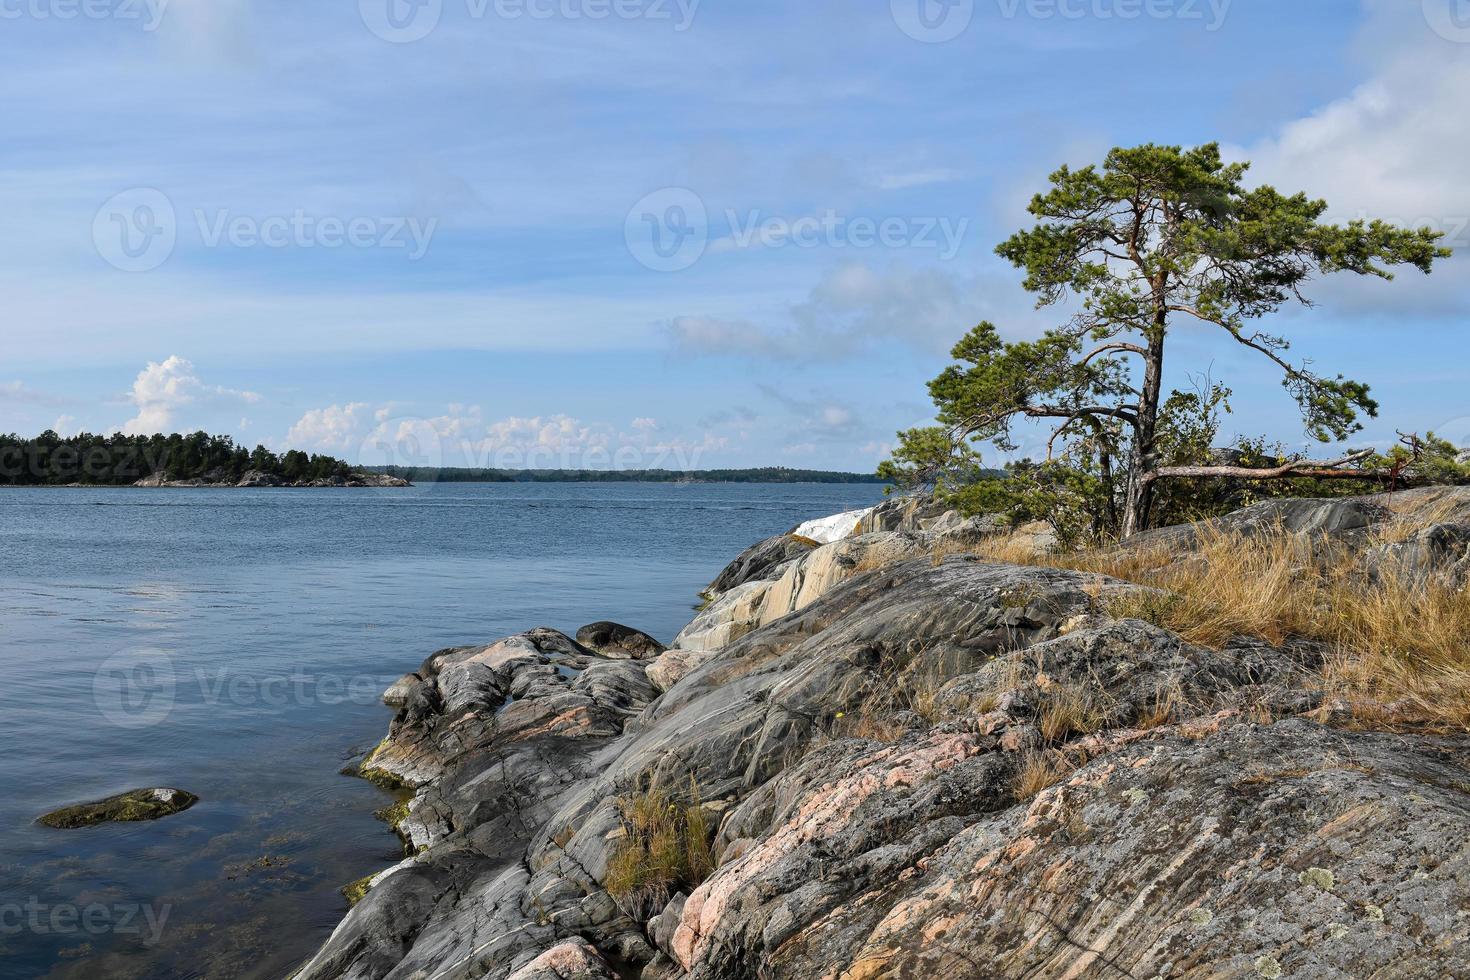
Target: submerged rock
<point>135,805</point>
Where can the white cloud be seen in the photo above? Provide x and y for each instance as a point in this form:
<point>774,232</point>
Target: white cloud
<point>334,429</point>
<point>917,178</point>
<point>463,437</point>
<point>66,425</point>
<point>1395,149</point>
<point>162,389</point>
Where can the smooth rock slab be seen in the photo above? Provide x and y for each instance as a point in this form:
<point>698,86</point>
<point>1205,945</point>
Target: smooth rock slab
<point>130,807</point>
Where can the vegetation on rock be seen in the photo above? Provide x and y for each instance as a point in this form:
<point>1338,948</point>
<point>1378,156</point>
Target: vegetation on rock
<point>665,848</point>
<point>131,807</point>
<point>1156,237</point>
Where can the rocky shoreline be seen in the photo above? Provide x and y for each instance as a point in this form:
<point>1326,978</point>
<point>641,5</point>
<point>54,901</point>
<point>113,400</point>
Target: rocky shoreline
<point>258,480</point>
<point>850,732</point>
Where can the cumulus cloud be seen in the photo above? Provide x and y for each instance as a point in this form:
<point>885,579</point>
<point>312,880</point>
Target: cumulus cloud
<point>162,389</point>
<point>463,436</point>
<point>334,429</point>
<point>1394,148</point>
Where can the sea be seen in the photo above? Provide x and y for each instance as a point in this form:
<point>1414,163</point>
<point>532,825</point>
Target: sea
<point>233,644</point>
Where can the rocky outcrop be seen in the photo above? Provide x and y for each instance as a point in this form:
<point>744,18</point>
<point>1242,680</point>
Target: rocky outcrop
<point>255,479</point>
<point>761,562</point>
<point>917,766</point>
<point>131,807</point>
<point>619,642</point>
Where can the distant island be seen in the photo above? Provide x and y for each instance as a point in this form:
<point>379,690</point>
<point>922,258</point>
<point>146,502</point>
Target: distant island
<point>760,474</point>
<point>195,460</point>
<point>203,460</point>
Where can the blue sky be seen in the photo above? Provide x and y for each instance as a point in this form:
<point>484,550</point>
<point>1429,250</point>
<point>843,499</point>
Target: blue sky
<point>347,231</point>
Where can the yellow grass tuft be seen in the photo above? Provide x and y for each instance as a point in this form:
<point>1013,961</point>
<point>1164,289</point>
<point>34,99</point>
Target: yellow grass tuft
<point>1039,771</point>
<point>666,846</point>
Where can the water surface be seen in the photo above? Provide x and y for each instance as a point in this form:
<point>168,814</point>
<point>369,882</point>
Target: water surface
<point>233,643</point>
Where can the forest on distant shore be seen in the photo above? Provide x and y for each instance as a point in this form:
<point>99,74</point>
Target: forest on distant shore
<point>763,474</point>
<point>121,460</point>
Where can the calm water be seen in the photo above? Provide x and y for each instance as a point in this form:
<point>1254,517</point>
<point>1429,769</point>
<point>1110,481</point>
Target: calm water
<point>233,643</point>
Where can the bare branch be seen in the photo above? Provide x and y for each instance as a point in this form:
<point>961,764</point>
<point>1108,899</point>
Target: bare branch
<point>1120,347</point>
<point>1319,469</point>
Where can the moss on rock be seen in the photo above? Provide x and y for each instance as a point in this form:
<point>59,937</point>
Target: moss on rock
<point>130,807</point>
<point>357,890</point>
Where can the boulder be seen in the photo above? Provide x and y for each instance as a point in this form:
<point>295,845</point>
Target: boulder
<point>130,807</point>
<point>365,479</point>
<point>618,641</point>
<point>254,479</point>
<point>674,665</point>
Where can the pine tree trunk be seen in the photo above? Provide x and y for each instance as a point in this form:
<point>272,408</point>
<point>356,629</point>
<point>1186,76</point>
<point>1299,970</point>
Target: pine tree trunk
<point>1141,461</point>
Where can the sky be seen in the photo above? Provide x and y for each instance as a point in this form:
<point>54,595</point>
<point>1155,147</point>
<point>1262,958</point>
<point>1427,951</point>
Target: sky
<point>663,233</point>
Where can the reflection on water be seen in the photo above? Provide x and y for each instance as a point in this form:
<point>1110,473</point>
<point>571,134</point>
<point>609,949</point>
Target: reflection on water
<point>233,644</point>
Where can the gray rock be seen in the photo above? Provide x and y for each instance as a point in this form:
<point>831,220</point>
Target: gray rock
<point>257,479</point>
<point>620,642</point>
<point>860,737</point>
<point>760,562</point>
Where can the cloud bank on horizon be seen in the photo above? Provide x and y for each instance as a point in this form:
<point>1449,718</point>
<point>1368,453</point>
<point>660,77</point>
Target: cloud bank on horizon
<point>659,232</point>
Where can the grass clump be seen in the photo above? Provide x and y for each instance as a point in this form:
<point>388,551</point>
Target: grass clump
<point>1388,641</point>
<point>1040,770</point>
<point>666,847</point>
<point>1069,709</point>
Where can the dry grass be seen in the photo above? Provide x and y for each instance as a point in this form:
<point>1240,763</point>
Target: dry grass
<point>1168,706</point>
<point>1069,709</point>
<point>1006,549</point>
<point>1040,771</point>
<point>666,846</point>
<point>872,722</point>
<point>1389,642</point>
<point>1005,676</point>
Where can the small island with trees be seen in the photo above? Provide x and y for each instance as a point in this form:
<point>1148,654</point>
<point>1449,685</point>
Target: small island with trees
<point>195,460</point>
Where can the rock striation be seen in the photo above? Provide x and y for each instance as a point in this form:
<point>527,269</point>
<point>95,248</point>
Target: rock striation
<point>912,763</point>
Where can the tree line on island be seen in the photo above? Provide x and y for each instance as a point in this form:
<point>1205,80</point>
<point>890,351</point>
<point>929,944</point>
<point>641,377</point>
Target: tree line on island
<point>1156,239</point>
<point>123,460</point>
